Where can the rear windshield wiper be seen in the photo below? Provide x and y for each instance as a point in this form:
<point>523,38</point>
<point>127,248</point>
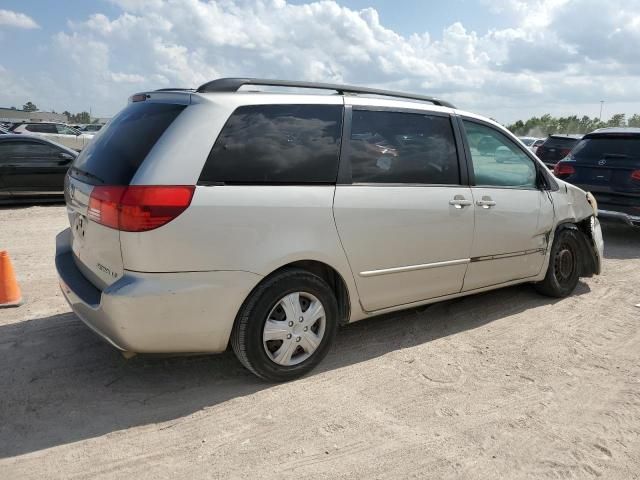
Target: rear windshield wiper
<point>87,174</point>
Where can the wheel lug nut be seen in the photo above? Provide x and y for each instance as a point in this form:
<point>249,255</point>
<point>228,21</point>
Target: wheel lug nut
<point>301,319</point>
<point>291,324</point>
<point>288,336</point>
<point>306,328</point>
<point>297,339</point>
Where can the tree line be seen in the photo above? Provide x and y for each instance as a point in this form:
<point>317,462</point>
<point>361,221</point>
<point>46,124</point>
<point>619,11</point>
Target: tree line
<point>82,117</point>
<point>548,125</point>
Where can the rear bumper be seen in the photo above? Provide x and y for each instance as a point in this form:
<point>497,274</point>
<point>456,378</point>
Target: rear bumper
<point>624,217</point>
<point>156,312</point>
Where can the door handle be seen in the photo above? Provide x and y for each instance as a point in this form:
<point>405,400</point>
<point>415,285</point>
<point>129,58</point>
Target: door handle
<point>486,202</point>
<point>459,202</point>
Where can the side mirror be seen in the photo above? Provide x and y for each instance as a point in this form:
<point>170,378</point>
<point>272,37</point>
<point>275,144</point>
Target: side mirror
<point>65,157</point>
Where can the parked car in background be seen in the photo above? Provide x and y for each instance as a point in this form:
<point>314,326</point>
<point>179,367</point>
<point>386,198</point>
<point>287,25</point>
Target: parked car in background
<point>532,143</point>
<point>32,167</point>
<point>4,131</point>
<point>264,220</point>
<point>556,147</point>
<point>91,128</point>
<point>57,132</point>
<point>536,144</point>
<point>607,163</point>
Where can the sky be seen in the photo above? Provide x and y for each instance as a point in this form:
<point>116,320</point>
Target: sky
<point>506,59</point>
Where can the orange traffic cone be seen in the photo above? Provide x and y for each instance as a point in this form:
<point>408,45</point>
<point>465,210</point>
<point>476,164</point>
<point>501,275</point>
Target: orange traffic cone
<point>10,295</point>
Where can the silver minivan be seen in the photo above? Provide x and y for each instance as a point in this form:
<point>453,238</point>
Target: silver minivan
<point>265,219</point>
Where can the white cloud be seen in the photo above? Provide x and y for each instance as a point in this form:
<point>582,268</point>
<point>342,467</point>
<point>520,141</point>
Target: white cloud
<point>556,54</point>
<point>10,18</point>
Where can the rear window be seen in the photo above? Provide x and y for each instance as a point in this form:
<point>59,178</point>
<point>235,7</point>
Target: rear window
<point>600,147</point>
<point>555,142</point>
<point>113,157</point>
<point>277,144</point>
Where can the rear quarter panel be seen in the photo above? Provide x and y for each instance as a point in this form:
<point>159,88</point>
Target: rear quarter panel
<point>255,229</point>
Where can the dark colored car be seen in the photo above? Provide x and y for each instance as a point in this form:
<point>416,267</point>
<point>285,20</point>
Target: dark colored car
<point>32,167</point>
<point>607,163</point>
<point>556,147</point>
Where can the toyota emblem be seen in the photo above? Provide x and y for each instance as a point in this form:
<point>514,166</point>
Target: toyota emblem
<point>602,162</point>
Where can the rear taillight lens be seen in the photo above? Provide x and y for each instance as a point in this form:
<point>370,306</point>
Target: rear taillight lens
<point>635,175</point>
<point>138,208</point>
<point>104,205</point>
<point>563,170</point>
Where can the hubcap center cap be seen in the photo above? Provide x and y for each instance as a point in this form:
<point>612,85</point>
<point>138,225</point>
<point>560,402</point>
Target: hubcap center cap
<point>565,261</point>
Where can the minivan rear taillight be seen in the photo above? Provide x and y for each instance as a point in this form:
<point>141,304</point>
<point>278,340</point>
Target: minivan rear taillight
<point>635,175</point>
<point>138,208</point>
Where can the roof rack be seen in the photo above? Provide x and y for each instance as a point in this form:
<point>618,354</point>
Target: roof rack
<point>174,90</point>
<point>234,84</point>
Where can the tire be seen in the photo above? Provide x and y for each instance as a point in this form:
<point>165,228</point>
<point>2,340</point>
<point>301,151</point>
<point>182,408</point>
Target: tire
<point>290,329</point>
<point>564,266</point>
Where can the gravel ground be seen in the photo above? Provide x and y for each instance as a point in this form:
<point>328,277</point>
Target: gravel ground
<point>506,384</point>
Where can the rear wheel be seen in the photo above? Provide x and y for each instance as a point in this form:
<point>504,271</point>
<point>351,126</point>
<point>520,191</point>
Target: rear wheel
<point>564,266</point>
<point>286,326</point>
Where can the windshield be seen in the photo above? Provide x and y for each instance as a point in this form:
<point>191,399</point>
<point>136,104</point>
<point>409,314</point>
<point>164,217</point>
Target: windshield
<point>527,141</point>
<point>601,147</point>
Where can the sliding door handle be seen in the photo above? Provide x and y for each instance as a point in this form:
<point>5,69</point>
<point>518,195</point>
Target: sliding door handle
<point>486,202</point>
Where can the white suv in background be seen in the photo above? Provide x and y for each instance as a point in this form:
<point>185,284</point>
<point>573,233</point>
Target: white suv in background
<point>212,216</point>
<point>57,132</point>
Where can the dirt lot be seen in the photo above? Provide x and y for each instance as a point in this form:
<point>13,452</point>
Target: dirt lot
<point>506,384</point>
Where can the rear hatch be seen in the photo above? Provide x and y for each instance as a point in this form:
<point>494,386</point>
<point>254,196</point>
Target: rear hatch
<point>608,165</point>
<point>99,177</point>
<point>555,149</point>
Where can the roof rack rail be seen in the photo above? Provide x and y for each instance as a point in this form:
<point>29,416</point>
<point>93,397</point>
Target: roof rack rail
<point>174,90</point>
<point>234,84</point>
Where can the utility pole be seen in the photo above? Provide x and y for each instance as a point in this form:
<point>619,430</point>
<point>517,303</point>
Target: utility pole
<point>601,105</point>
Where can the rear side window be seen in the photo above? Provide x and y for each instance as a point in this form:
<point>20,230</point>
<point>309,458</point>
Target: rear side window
<point>277,144</point>
<point>601,147</point>
<point>113,157</point>
<point>396,147</point>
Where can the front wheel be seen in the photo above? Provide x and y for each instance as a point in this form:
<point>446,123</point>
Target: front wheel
<point>564,266</point>
<point>286,326</point>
